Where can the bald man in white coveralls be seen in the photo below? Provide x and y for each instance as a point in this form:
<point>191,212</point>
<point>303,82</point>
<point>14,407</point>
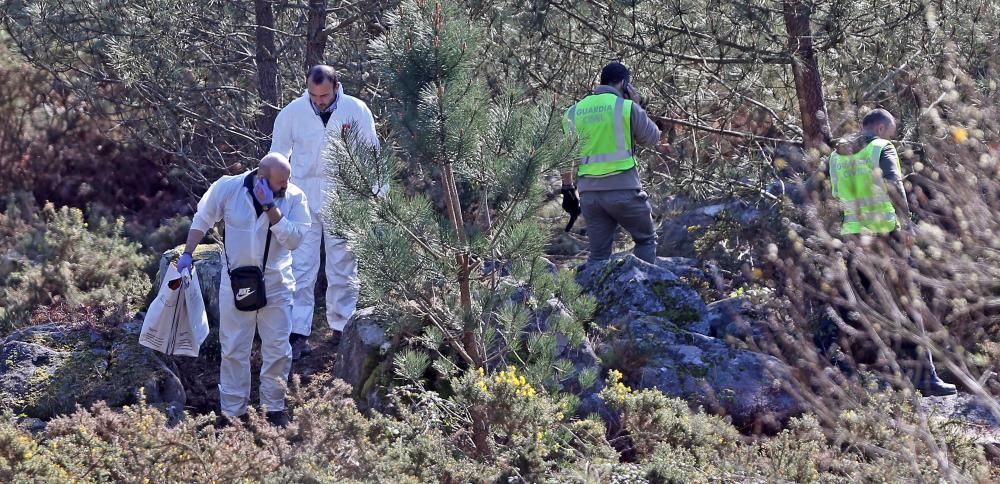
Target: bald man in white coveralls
<point>253,205</point>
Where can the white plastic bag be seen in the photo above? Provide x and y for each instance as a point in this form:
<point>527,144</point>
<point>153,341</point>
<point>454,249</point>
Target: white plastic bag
<point>176,322</point>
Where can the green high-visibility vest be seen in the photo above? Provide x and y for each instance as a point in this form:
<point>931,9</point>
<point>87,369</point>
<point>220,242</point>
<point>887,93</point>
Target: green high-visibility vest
<point>603,123</point>
<point>859,186</point>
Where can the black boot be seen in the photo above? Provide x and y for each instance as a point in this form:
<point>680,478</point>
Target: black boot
<point>928,381</point>
<point>300,345</point>
<point>934,386</point>
<point>278,418</point>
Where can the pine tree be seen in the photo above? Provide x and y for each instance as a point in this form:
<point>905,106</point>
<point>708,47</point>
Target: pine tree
<point>460,291</point>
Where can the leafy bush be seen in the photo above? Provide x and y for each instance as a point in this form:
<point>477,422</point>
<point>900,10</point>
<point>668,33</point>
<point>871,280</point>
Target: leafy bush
<point>54,255</point>
<point>882,440</point>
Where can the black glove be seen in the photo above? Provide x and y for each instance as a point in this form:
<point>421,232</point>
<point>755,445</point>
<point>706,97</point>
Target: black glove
<point>571,204</point>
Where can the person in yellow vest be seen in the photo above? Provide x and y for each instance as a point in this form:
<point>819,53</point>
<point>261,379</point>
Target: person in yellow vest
<point>609,124</point>
<point>866,179</point>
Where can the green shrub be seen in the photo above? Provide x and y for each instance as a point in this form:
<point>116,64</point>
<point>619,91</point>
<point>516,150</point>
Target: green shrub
<point>54,255</point>
<point>428,440</point>
<point>650,420</point>
<point>880,439</point>
<point>169,234</point>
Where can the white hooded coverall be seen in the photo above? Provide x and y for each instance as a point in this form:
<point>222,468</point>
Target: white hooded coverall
<point>246,233</point>
<point>300,135</point>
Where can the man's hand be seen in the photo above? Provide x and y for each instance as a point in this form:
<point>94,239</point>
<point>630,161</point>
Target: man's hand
<point>663,147</point>
<point>632,93</point>
<point>262,192</point>
<point>909,234</point>
<point>570,204</point>
<point>184,263</point>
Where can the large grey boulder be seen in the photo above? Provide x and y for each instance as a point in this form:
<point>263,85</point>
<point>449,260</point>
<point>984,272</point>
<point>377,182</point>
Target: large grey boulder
<point>25,368</point>
<point>749,387</point>
<point>626,285</point>
<point>662,335</point>
<point>975,416</point>
<point>361,355</point>
<point>686,268</point>
<point>47,370</point>
<point>685,221</point>
<point>735,321</point>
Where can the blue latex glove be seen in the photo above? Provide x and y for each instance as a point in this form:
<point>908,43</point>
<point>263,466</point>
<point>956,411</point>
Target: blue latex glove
<point>262,192</point>
<point>184,263</point>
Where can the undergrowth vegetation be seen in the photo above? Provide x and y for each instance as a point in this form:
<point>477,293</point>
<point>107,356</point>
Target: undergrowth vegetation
<point>331,440</point>
<point>57,256</point>
<point>477,385</point>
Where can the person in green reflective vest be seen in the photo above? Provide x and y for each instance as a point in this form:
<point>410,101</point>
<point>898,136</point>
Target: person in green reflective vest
<point>866,179</point>
<point>872,205</point>
<point>609,123</point>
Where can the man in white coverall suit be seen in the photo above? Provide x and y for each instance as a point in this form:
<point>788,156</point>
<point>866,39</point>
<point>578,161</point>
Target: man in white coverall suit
<point>301,132</point>
<point>253,204</point>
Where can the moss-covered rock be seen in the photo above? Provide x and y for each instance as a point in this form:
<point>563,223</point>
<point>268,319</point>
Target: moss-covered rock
<point>361,355</point>
<point>626,285</point>
<point>743,385</point>
<point>47,370</point>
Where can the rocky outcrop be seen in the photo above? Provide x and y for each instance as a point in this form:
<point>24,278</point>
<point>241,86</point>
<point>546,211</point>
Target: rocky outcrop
<point>685,221</point>
<point>361,354</point>
<point>706,371</point>
<point>47,370</point>
<point>664,336</point>
<point>735,321</point>
<point>975,416</point>
<point>626,287</point>
<point>658,331</point>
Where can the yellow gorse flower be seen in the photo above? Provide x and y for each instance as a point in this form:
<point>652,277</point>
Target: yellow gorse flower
<point>617,387</point>
<point>614,376</point>
<point>960,134</point>
<point>519,383</point>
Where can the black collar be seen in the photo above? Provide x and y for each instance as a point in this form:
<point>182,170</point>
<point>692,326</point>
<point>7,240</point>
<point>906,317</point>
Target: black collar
<point>248,182</point>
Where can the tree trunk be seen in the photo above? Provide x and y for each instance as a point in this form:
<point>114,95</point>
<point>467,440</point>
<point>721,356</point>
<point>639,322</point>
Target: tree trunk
<point>315,37</point>
<point>805,70</point>
<point>470,340</point>
<point>267,70</point>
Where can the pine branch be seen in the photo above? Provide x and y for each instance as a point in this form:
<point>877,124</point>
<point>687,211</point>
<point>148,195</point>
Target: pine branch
<point>725,132</point>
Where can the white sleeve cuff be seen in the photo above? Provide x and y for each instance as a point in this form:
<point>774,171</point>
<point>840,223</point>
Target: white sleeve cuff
<point>282,225</point>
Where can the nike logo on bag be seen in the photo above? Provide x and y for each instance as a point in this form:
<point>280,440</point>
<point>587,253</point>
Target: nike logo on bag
<point>244,293</point>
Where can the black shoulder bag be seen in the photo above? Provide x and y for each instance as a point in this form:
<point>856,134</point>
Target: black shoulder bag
<point>249,293</point>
